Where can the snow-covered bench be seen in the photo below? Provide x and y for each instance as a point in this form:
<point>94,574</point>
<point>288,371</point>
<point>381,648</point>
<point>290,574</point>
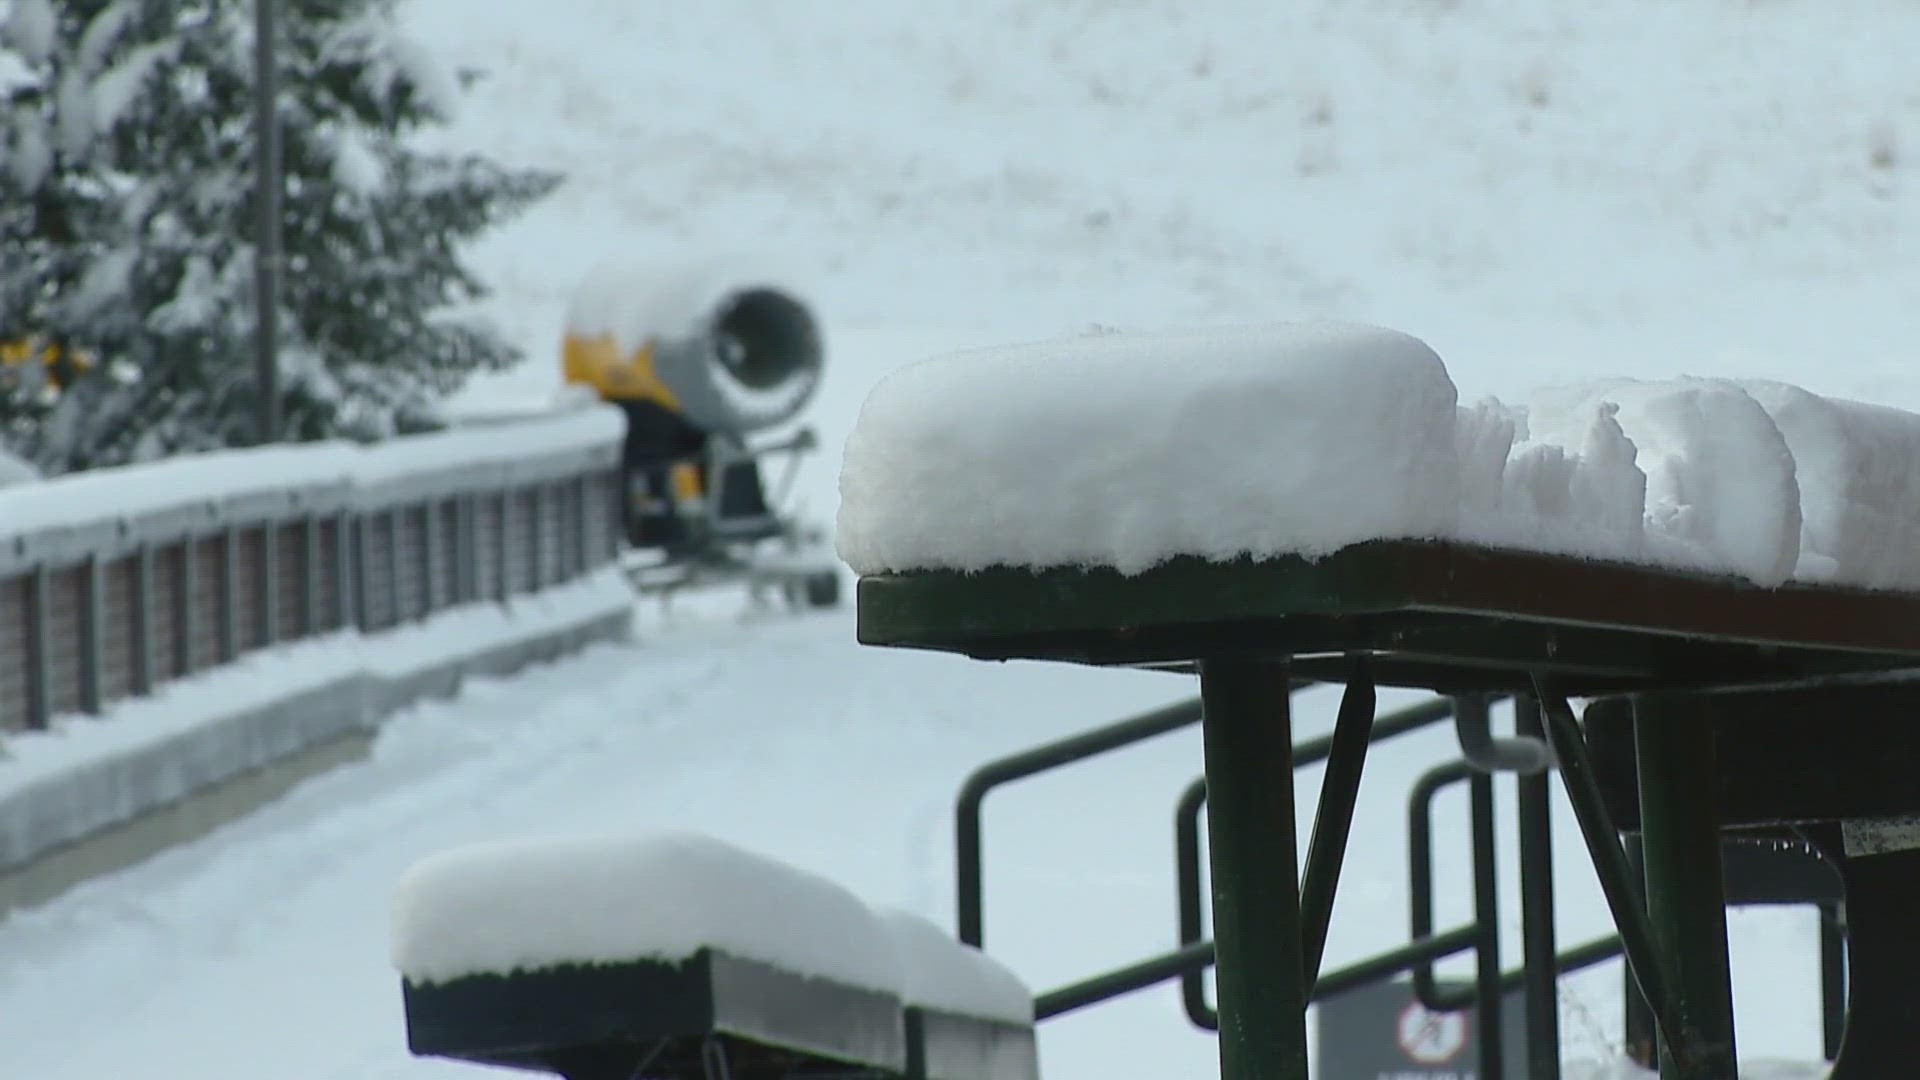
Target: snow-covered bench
<point>1259,504</point>
<point>676,955</point>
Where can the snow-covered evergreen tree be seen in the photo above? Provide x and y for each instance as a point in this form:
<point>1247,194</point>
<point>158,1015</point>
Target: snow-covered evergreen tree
<point>126,228</point>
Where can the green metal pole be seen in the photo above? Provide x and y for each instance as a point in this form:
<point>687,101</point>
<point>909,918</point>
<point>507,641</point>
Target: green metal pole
<point>1260,965</point>
<point>1686,898</point>
<point>1539,944</point>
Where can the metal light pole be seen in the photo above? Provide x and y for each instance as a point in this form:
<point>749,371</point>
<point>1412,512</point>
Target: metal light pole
<point>267,186</point>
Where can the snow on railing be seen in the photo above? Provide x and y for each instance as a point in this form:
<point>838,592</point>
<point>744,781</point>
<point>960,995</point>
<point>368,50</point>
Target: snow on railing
<point>115,582</point>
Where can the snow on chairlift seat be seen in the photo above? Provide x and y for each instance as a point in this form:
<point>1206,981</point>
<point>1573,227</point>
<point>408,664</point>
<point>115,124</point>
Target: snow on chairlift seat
<point>584,956</point>
<point>1342,456</point>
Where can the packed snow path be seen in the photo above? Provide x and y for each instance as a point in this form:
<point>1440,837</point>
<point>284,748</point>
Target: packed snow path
<point>264,948</point>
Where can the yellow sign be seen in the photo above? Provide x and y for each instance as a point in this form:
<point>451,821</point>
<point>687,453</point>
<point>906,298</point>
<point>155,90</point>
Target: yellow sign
<point>19,351</point>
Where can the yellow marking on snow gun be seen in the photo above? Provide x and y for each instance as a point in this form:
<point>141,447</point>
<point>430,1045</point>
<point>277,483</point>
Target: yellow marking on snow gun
<point>597,362</point>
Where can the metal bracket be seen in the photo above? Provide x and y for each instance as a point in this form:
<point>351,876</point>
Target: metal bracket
<point>1473,722</point>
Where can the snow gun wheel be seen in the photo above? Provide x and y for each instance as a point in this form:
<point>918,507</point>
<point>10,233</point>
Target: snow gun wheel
<point>822,590</point>
<point>818,590</point>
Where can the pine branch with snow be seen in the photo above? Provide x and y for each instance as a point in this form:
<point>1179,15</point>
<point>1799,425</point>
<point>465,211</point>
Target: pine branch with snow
<point>126,225</point>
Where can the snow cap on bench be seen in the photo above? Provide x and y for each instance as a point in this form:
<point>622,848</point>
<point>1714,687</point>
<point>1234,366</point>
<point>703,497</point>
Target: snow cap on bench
<point>1128,450</point>
<point>526,905</point>
<point>946,975</point>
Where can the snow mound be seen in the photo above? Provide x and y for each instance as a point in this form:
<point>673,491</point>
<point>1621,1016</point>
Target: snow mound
<point>1859,473</point>
<point>1697,477</point>
<point>1125,450</point>
<point>525,905</point>
<point>1129,450</point>
<point>947,975</point>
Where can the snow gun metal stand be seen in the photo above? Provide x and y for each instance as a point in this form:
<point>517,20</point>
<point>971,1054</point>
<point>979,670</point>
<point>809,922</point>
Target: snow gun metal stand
<point>1724,707</point>
<point>714,1017</point>
<point>732,533</point>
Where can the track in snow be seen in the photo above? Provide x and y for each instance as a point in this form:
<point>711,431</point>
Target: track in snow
<point>261,950</point>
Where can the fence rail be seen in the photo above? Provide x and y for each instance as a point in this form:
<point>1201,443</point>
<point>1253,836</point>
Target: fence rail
<point>115,583</point>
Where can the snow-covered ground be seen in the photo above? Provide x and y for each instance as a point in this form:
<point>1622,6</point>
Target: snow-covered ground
<point>1716,187</point>
<point>266,945</point>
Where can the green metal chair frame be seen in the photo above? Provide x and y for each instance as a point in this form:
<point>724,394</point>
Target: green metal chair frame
<point>1452,619</point>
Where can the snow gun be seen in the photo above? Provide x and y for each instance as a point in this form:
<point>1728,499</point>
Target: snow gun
<point>699,363</point>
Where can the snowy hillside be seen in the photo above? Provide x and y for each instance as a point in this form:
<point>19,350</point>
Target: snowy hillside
<point>1714,185</point>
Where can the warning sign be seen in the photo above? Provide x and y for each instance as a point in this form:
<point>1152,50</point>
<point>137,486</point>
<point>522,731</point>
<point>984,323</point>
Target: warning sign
<point>1382,1032</point>
<point>1431,1038</point>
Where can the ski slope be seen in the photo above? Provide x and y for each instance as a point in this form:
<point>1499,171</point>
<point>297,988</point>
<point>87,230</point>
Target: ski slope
<point>264,949</point>
<point>1715,187</point>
